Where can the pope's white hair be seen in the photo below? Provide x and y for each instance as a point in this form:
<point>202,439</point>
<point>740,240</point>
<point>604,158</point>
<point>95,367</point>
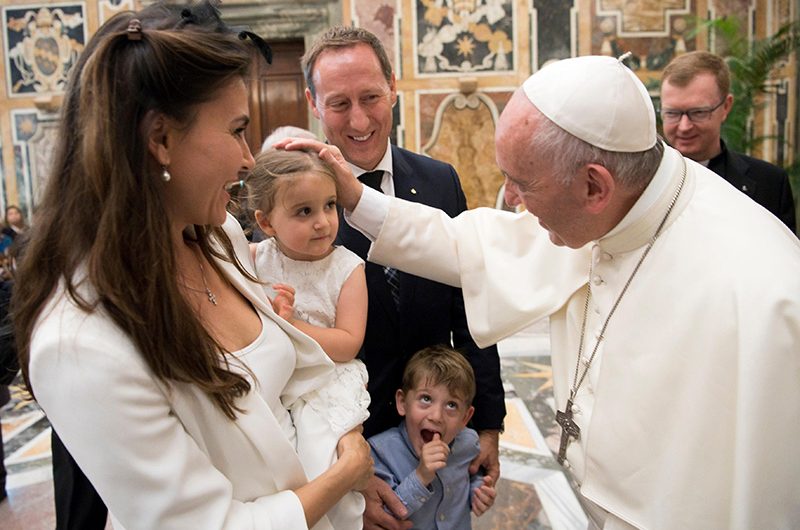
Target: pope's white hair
<point>567,153</point>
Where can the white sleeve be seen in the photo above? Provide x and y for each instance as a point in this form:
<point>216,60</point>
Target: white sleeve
<point>117,422</point>
<point>509,271</point>
<point>369,213</point>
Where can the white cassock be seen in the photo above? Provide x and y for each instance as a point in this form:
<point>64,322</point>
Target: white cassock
<point>690,413</point>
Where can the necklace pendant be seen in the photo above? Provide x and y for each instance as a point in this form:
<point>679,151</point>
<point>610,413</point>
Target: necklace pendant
<point>569,429</point>
<point>211,297</point>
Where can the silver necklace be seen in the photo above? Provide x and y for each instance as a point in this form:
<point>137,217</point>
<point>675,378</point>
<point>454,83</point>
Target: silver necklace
<point>209,294</point>
<point>206,290</point>
<point>569,429</point>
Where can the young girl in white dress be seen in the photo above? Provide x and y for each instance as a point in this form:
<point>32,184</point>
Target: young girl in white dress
<point>321,289</point>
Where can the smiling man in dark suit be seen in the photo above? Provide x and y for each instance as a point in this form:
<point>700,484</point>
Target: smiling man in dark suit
<point>351,90</point>
<point>695,101</point>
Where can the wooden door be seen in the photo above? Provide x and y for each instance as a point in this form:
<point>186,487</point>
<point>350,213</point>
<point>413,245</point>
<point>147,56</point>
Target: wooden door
<point>277,93</point>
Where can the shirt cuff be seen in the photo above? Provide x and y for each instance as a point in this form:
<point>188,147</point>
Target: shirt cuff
<point>369,214</point>
<point>413,493</point>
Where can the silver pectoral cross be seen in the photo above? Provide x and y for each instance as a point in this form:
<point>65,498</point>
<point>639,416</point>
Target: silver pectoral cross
<point>569,429</point>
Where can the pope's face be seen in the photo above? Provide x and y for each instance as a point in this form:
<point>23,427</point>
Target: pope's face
<point>354,103</point>
<point>698,139</point>
<point>530,181</point>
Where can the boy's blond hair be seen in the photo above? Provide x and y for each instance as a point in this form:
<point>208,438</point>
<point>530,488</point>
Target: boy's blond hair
<point>440,365</point>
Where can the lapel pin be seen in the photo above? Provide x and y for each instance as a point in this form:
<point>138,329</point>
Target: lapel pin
<point>413,191</point>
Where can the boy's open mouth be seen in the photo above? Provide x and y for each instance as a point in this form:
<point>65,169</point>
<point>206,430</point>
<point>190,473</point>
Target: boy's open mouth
<point>427,435</point>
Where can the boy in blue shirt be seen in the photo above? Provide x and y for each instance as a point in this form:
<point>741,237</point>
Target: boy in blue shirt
<point>426,459</point>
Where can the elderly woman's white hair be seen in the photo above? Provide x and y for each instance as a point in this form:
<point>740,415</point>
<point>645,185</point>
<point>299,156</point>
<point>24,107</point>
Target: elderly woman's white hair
<point>286,131</point>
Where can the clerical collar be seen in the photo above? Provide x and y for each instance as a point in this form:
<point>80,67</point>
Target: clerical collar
<point>638,225</point>
<point>384,165</point>
<point>648,198</point>
<point>717,163</point>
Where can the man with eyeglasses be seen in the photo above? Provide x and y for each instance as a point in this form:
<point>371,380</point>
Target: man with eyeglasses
<point>695,101</point>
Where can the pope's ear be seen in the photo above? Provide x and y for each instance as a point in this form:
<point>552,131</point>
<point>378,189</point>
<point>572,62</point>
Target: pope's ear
<point>157,129</point>
<point>599,187</point>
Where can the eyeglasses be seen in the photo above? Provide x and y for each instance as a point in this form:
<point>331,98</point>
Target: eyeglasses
<point>694,115</point>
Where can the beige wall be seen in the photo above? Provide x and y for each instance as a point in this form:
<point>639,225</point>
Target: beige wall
<point>450,114</point>
<point>456,67</point>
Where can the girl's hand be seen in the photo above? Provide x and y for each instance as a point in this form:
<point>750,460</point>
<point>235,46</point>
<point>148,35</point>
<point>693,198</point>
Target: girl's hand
<point>483,497</point>
<point>353,451</point>
<point>283,302</point>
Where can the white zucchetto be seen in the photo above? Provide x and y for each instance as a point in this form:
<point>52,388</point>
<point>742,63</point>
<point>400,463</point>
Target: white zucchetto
<point>598,99</point>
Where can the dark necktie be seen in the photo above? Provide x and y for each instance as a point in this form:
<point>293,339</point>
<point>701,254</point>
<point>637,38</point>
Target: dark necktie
<point>373,180</point>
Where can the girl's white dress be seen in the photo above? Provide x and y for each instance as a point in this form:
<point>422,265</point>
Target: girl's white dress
<point>340,405</point>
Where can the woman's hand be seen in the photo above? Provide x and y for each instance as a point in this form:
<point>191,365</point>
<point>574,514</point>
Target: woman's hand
<point>347,185</point>
<point>354,452</point>
<point>351,471</point>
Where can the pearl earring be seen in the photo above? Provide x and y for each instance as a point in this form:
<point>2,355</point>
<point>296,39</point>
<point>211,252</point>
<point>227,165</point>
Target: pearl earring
<point>165,174</point>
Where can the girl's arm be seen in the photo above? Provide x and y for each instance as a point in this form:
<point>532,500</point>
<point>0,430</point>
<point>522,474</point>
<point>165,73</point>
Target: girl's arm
<point>343,341</point>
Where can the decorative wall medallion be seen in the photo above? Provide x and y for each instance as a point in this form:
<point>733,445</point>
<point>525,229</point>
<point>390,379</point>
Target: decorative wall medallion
<point>109,8</point>
<point>42,45</point>
<point>464,36</point>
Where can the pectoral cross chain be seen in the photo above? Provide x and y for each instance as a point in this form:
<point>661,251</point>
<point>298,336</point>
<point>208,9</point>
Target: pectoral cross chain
<point>569,429</point>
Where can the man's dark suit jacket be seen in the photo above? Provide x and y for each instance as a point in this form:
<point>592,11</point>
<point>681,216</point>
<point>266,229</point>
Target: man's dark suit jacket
<point>429,311</point>
<point>763,182</point>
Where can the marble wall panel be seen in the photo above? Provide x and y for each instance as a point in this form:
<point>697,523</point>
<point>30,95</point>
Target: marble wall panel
<point>398,134</point>
<point>381,18</point>
<point>34,138</point>
<point>654,31</point>
<point>462,134</point>
<point>41,44</point>
<point>555,36</point>
<point>3,194</point>
<point>464,37</point>
<point>740,8</point>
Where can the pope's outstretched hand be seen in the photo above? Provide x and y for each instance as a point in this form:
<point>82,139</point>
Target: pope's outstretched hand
<point>348,186</point>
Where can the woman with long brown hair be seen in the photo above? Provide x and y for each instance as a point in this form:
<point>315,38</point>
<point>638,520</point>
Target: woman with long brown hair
<point>141,330</point>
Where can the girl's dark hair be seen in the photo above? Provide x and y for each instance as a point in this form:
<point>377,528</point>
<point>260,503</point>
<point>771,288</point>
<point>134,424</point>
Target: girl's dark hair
<point>102,217</point>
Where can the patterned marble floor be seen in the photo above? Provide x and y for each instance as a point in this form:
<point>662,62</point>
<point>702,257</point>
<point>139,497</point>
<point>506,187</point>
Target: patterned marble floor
<point>533,492</point>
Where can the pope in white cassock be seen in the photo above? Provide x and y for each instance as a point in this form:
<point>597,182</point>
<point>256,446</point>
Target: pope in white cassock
<point>674,302</point>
